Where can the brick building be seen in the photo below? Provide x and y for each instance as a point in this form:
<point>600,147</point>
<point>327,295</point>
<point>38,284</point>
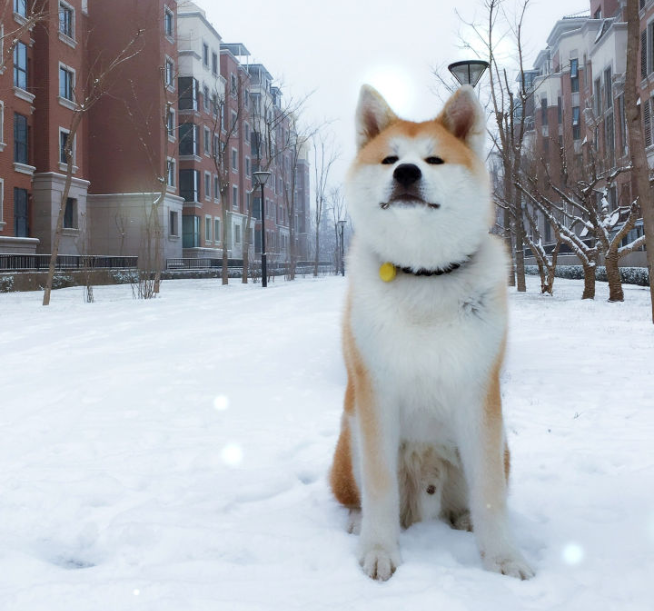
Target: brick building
<point>164,117</point>
<point>578,104</point>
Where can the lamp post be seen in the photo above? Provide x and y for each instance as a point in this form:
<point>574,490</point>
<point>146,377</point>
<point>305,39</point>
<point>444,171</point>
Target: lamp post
<point>468,72</point>
<point>262,178</point>
<point>341,227</point>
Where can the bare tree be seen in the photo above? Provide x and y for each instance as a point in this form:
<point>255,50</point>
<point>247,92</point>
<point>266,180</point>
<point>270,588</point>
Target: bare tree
<point>338,209</point>
<point>636,138</point>
<point>96,86</point>
<point>279,143</point>
<point>224,131</point>
<point>324,156</point>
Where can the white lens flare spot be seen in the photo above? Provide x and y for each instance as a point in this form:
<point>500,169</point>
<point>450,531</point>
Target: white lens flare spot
<point>137,592</point>
<point>221,403</point>
<point>395,85</point>
<point>572,554</point>
<point>232,455</point>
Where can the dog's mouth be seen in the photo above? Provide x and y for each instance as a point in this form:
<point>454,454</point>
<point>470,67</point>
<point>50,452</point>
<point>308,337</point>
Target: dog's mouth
<point>407,200</point>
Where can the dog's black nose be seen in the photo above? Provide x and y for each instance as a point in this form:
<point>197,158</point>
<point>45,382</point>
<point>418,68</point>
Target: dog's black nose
<point>407,173</point>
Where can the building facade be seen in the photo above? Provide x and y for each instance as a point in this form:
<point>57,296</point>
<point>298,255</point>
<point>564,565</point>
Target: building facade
<point>577,117</point>
<point>164,155</point>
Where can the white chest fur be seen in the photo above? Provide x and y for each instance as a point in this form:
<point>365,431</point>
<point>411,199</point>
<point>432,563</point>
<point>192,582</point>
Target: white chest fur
<point>429,342</point>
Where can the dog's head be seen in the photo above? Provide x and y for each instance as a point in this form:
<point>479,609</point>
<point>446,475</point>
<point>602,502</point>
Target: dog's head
<point>418,193</point>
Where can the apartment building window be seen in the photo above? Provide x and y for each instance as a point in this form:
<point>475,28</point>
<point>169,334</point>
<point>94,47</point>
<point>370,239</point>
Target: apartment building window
<point>189,185</point>
<point>214,105</point>
<point>647,50</point>
<point>576,124</point>
<point>216,230</point>
<point>647,122</point>
<point>207,185</point>
<point>598,97</point>
<point>247,133</point>
<point>207,142</point>
<point>205,54</point>
<point>70,214</point>
<point>216,188</point>
<point>609,136</point>
<point>237,234</point>
<point>574,75</point>
<point>216,146</point>
<point>234,197</point>
<point>66,20</point>
<point>622,118</point>
<point>248,201</point>
<point>20,7</point>
<point>170,73</point>
<point>20,65</point>
<point>21,139</point>
<point>234,160</point>
<point>608,88</point>
<point>2,127</point>
<point>171,172</point>
<point>234,125</point>
<point>66,83</point>
<point>207,229</point>
<point>169,22</point>
<point>170,124</point>
<point>543,111</point>
<point>21,217</point>
<point>188,139</point>
<point>63,144</point>
<point>188,93</point>
<point>173,223</point>
<point>214,63</point>
<point>206,100</point>
<point>2,202</point>
<point>234,88</point>
<point>191,231</point>
<point>247,167</point>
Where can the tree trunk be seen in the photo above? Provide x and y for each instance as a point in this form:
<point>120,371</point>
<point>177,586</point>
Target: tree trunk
<point>225,262</point>
<point>75,123</point>
<point>589,282</point>
<point>636,139</point>
<point>520,256</point>
<point>613,276</point>
<point>509,247</point>
<point>315,267</point>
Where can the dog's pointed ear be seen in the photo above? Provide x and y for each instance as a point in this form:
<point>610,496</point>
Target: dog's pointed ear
<point>373,115</point>
<point>464,117</point>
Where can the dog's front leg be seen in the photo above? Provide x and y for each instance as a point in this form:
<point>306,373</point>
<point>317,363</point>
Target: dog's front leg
<point>482,452</point>
<point>378,429</point>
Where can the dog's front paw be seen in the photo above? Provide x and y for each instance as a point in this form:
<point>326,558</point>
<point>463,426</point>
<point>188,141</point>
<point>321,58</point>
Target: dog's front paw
<point>379,563</point>
<point>513,565</point>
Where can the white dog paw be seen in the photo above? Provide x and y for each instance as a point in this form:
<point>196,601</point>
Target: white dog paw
<point>379,563</point>
<point>513,565</point>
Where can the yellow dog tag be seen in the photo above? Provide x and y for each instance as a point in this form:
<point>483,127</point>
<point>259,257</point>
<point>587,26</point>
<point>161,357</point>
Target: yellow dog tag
<point>387,272</point>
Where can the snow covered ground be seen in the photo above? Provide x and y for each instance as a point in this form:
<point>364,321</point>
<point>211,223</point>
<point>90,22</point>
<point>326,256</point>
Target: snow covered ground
<point>171,455</point>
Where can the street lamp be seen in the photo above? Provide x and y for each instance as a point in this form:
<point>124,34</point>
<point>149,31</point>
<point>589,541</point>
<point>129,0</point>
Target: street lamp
<point>341,227</point>
<point>468,72</point>
<point>262,178</point>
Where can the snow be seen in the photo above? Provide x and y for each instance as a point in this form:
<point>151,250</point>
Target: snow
<point>172,455</point>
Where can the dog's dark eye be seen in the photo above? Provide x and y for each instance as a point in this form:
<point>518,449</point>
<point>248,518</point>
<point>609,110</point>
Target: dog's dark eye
<point>389,160</point>
<point>434,160</point>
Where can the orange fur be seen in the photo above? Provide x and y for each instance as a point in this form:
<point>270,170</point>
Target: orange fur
<point>446,146</point>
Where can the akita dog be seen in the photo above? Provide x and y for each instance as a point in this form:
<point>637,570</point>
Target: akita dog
<point>425,324</point>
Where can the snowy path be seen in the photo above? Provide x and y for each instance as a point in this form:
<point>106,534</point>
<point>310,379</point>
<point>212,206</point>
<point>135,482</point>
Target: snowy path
<point>171,456</point>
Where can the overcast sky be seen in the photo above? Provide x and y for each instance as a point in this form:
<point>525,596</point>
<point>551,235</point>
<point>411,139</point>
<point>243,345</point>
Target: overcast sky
<point>334,47</point>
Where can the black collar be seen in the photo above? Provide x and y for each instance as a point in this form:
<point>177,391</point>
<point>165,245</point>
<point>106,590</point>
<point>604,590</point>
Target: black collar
<point>438,271</point>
